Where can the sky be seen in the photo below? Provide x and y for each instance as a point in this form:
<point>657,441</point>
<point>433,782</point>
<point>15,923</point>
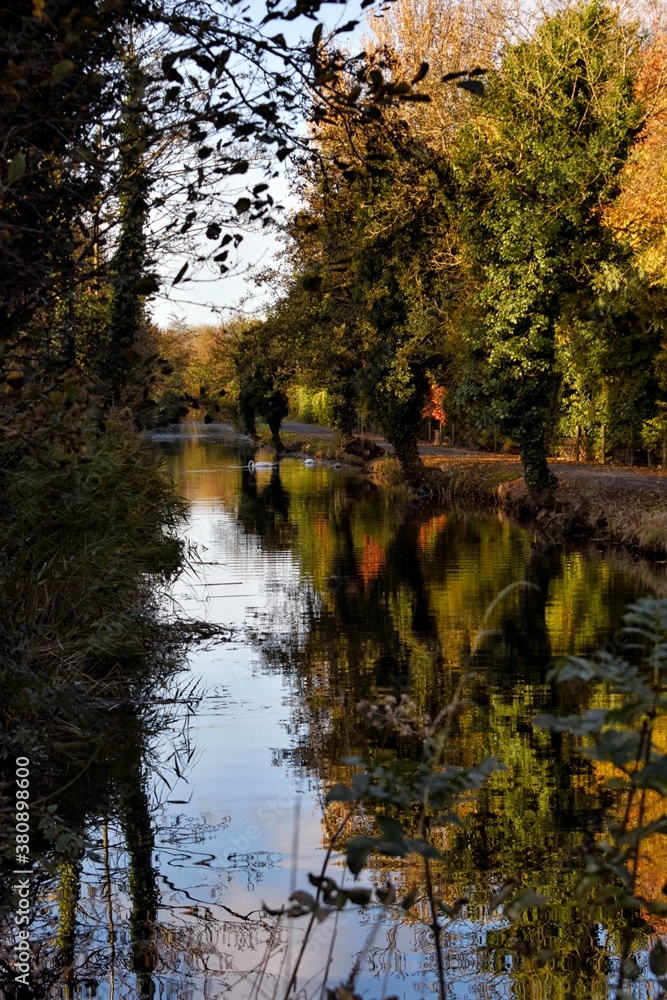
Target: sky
<point>220,298</point>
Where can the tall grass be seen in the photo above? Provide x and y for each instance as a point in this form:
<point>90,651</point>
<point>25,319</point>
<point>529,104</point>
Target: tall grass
<point>84,544</point>
<point>90,543</point>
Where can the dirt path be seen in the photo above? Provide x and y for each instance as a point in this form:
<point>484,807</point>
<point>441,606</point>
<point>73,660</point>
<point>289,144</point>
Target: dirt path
<point>649,480</point>
<point>642,479</point>
<point>617,476</point>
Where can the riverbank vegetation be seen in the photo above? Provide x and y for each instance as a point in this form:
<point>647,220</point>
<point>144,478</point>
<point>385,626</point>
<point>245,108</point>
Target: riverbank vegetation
<point>603,507</point>
<point>470,248</point>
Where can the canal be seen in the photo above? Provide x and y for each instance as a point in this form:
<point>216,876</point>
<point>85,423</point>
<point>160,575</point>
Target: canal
<point>335,596</point>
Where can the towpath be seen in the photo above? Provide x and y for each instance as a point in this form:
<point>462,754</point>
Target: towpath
<point>625,477</point>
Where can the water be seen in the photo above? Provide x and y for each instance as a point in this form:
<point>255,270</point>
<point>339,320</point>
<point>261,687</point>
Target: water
<point>334,594</point>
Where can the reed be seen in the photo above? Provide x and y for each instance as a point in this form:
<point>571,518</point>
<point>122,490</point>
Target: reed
<point>90,544</point>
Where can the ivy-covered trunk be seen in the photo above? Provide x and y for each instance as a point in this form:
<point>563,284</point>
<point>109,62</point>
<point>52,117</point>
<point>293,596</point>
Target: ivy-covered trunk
<point>276,440</point>
<point>535,164</point>
<point>344,407</point>
<point>127,270</point>
<point>246,409</point>
<point>408,455</point>
<point>275,407</point>
<point>399,407</point>
<point>540,483</point>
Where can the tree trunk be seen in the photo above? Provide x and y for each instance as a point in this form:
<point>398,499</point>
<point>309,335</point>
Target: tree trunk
<point>126,308</point>
<point>540,483</point>
<point>247,411</point>
<point>274,427</point>
<point>407,453</point>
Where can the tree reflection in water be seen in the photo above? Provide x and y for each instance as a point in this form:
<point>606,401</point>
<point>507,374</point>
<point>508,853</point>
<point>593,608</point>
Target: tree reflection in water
<point>381,601</point>
<point>393,607</point>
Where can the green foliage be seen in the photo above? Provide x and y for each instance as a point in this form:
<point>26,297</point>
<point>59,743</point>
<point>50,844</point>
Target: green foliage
<point>85,538</point>
<point>263,370</point>
<point>90,542</point>
<point>608,351</point>
<point>535,165</point>
<point>634,676</point>
<point>311,407</point>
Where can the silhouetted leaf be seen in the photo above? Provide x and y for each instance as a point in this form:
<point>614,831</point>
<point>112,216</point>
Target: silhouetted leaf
<point>360,897</point>
<point>524,900</point>
<point>357,852</point>
<point>417,846</point>
<point>391,828</point>
<point>303,898</point>
<point>474,86</point>
<point>503,893</point>
<point>590,722</point>
<point>409,901</point>
<point>421,73</point>
<point>181,273</point>
<point>615,745</point>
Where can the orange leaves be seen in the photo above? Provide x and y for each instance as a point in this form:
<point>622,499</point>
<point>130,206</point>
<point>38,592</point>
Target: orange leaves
<point>434,408</point>
<point>372,560</point>
<point>639,214</point>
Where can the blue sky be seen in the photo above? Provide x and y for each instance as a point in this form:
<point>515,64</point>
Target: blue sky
<point>219,298</point>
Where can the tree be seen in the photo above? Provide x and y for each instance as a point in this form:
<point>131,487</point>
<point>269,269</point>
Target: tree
<point>535,166</point>
<point>263,371</point>
<point>98,136</point>
<point>639,214</point>
<point>373,247</point>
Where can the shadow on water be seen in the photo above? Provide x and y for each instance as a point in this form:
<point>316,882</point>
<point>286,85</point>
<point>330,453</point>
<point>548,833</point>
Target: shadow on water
<point>368,600</point>
<point>106,788</point>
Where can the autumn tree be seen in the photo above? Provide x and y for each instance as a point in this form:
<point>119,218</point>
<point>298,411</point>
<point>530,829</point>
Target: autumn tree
<point>372,244</point>
<point>639,213</point>
<point>535,166</point>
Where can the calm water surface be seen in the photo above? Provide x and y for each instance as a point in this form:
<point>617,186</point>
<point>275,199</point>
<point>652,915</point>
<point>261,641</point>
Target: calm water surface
<point>336,594</point>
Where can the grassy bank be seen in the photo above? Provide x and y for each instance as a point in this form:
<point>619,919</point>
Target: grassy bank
<point>90,543</point>
<point>611,514</point>
<point>323,449</point>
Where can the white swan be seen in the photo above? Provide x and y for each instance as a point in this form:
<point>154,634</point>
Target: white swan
<point>252,465</point>
<point>310,461</point>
